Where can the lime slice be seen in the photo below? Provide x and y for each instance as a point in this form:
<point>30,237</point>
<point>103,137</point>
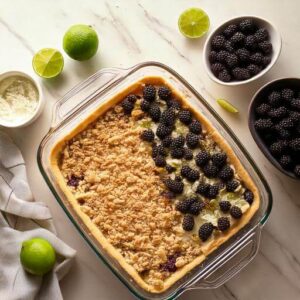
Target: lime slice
<point>227,106</point>
<point>193,23</point>
<point>48,63</point>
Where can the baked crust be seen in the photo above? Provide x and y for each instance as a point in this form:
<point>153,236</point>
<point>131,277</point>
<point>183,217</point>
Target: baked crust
<point>207,247</point>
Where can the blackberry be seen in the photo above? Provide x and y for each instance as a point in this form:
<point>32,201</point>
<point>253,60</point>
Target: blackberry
<point>154,112</point>
<point>232,185</point>
<point>274,99</point>
<point>196,207</point>
<point>263,109</point>
<point>224,76</point>
<point>195,127</point>
<point>277,148</point>
<point>294,116</point>
<point>222,56</point>
<point>261,35</point>
<point>174,186</point>
<point>237,39</point>
<point>250,42</point>
<point>223,223</point>
<point>263,124</point>
<point>184,205</point>
<point>177,142</point>
<point>185,171</point>
<point>287,123</point>
<point>192,140</point>
<point>295,104</point>
<point>228,47</point>
<point>170,169</point>
<point>248,196</point>
<point>240,73</point>
<point>210,170</point>
<point>127,106</point>
<point>74,180</point>
<point>230,30</point>
<point>188,223</point>
<point>253,69</point>
<point>163,131</point>
<point>243,55</point>
<point>164,93</point>
<point>203,189</point>
<point>178,178</point>
<point>295,144</point>
<point>166,142</point>
<point>177,153</point>
<point>257,58</point>
<point>188,154</point>
<point>236,212</point>
<point>265,47</point>
<point>226,173</point>
<point>224,206</point>
<point>219,159</point>
<point>283,133</point>
<point>266,60</point>
<point>145,105</point>
<point>202,158</point>
<point>217,68</point>
<point>297,170</point>
<point>189,173</point>
<point>205,231</point>
<point>158,150</point>
<point>159,161</point>
<point>217,42</point>
<point>147,135</point>
<point>213,191</point>
<point>149,92</point>
<point>168,117</point>
<point>278,113</point>
<point>247,26</point>
<point>185,116</point>
<point>287,94</point>
<point>213,56</point>
<point>174,104</point>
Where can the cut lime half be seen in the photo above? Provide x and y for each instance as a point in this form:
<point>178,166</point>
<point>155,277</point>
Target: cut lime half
<point>48,63</point>
<point>227,106</point>
<point>193,23</point>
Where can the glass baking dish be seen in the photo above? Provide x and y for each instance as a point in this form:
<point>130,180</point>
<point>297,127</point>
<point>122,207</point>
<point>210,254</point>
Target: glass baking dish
<point>85,98</point>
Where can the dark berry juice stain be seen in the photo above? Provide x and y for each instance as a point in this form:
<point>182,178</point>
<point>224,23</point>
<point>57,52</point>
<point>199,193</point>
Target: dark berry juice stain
<point>74,180</point>
<point>169,265</point>
<point>168,194</point>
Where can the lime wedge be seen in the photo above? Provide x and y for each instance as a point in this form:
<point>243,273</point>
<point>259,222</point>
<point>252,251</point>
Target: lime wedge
<point>48,63</point>
<point>227,106</point>
<point>193,23</point>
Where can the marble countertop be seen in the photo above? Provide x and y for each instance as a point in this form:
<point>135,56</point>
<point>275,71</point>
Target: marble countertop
<point>134,31</point>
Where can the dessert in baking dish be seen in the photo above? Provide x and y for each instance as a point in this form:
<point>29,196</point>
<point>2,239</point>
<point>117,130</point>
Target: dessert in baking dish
<point>154,182</point>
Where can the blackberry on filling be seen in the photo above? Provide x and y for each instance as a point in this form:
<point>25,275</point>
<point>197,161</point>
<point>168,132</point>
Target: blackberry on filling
<point>236,212</point>
<point>163,131</point>
<point>226,173</point>
<point>147,135</point>
<point>154,112</point>
<point>145,105</point>
<point>167,141</point>
<point>192,140</point>
<point>195,127</point>
<point>159,161</point>
<point>232,185</point>
<point>184,205</point>
<point>158,150</point>
<point>170,169</point>
<point>203,189</point>
<point>205,231</point>
<point>149,92</point>
<point>185,116</point>
<point>177,142</point>
<point>188,223</point>
<point>219,159</point>
<point>127,106</point>
<point>168,117</point>
<point>248,196</point>
<point>164,93</point>
<point>225,206</point>
<point>223,223</point>
<point>189,173</point>
<point>196,207</point>
<point>188,154</point>
<point>174,186</point>
<point>177,153</point>
<point>202,158</point>
<point>210,170</point>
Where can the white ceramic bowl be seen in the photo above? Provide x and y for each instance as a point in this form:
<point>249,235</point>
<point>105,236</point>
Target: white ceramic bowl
<point>275,39</point>
<point>39,108</point>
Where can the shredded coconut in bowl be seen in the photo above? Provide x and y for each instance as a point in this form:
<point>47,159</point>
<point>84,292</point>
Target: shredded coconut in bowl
<point>18,99</point>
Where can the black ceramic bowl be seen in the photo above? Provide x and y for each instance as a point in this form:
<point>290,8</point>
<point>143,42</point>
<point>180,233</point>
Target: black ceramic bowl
<point>257,99</point>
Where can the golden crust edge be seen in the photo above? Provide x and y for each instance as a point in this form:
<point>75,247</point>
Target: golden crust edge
<point>209,246</point>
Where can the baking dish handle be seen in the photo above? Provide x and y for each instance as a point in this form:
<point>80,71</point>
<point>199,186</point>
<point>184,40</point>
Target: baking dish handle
<point>232,262</point>
<point>81,94</point>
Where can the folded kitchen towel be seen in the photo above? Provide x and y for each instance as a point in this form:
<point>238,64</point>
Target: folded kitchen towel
<point>22,218</point>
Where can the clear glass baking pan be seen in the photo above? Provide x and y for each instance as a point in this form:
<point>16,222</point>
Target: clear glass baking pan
<point>86,97</point>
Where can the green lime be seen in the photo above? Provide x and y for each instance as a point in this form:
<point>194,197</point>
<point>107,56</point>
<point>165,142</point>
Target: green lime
<point>48,63</point>
<point>80,42</point>
<point>37,256</point>
<point>193,22</point>
<point>227,106</point>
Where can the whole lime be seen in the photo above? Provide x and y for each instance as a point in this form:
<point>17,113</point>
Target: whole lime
<point>37,256</point>
<point>80,42</point>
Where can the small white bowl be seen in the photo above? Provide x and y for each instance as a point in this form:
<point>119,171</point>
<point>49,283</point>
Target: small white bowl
<point>40,105</point>
<point>275,39</point>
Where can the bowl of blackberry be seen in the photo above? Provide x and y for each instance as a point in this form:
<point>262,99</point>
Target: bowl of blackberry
<point>274,122</point>
<point>241,50</point>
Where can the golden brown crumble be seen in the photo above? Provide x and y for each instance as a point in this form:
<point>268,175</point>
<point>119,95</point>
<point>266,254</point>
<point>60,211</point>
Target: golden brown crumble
<point>122,193</point>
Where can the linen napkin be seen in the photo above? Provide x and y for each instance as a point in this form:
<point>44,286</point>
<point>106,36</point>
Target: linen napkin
<point>22,218</point>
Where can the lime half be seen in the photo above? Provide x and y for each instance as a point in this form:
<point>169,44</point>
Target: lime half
<point>193,23</point>
<point>227,106</point>
<point>48,63</point>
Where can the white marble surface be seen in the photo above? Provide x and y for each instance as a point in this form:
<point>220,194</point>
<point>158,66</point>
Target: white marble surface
<point>133,31</point>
